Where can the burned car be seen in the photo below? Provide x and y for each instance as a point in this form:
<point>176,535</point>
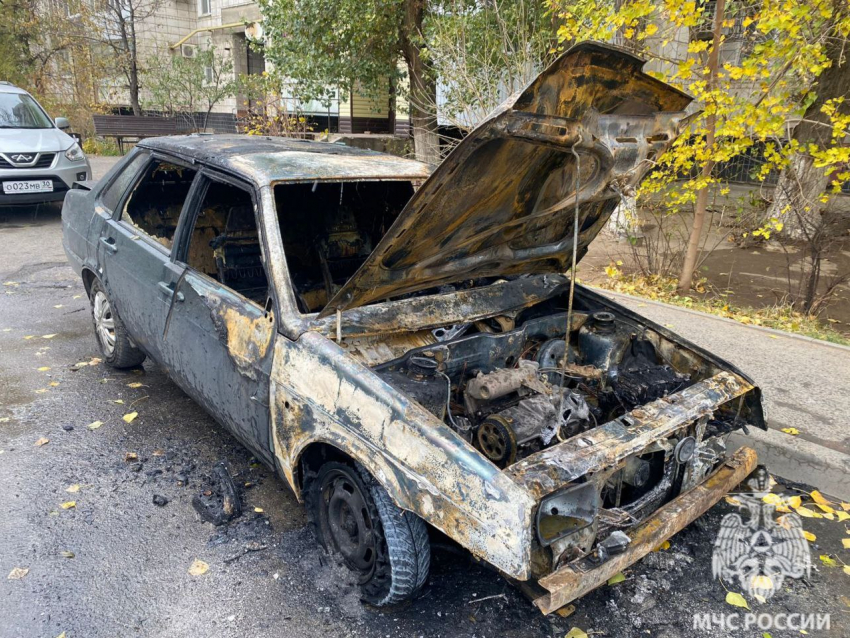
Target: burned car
<point>404,347</point>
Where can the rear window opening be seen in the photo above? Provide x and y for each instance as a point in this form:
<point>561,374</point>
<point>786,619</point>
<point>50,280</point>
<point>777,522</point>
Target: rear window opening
<point>330,228</point>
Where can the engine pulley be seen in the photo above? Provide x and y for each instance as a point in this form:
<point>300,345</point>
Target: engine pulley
<point>496,439</point>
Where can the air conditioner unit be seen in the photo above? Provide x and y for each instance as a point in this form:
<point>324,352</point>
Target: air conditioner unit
<point>188,50</point>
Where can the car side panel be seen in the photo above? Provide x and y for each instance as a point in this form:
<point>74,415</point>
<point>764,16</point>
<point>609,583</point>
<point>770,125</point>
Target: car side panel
<point>320,394</point>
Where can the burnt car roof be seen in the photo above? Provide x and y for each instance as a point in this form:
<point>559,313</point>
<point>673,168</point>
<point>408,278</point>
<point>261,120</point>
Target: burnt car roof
<point>269,159</point>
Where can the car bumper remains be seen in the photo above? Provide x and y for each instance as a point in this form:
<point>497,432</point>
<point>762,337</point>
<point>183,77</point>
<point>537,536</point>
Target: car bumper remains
<point>579,577</point>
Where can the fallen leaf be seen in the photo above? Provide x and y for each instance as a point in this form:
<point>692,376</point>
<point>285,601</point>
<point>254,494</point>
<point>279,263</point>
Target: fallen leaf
<point>828,560</point>
<point>566,612</point>
<point>617,578</point>
<point>67,505</point>
<point>760,598</point>
<point>118,401</point>
<point>131,456</point>
<point>663,547</point>
<point>62,635</point>
<point>66,554</point>
<point>198,568</point>
<point>842,516</point>
<point>761,582</point>
<point>732,500</point>
<point>73,489</point>
<point>846,543</point>
<point>829,516</point>
<point>17,573</point>
<point>818,498</point>
<point>736,600</point>
<point>94,425</point>
<point>805,512</point>
<point>42,441</point>
<point>48,336</point>
<point>5,419</point>
<point>845,507</point>
<point>130,417</point>
<point>29,337</point>
<point>158,453</point>
<point>791,431</point>
<point>847,571</point>
<point>766,635</point>
<point>772,499</point>
<point>809,536</point>
<point>825,508</point>
<point>44,368</point>
<point>53,384</point>
<point>795,501</point>
<point>259,510</point>
<point>135,384</point>
<point>575,632</point>
<point>41,391</point>
<point>76,296</point>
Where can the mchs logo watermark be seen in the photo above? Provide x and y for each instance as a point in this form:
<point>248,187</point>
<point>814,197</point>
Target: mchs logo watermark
<point>756,551</point>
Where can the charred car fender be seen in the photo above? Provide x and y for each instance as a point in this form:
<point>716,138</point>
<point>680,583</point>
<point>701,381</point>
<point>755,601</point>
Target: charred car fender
<point>319,394</point>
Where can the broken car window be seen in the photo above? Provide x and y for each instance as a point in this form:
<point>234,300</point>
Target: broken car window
<point>225,242</point>
<point>329,228</point>
<point>113,193</point>
<point>155,204</point>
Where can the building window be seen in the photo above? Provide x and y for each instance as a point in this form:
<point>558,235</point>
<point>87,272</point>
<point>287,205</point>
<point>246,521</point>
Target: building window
<point>204,7</point>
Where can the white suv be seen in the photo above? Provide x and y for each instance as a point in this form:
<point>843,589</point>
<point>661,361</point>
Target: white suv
<point>39,162</point>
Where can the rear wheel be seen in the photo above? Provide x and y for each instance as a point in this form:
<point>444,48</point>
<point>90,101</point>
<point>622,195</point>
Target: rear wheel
<point>115,344</point>
<point>386,547</point>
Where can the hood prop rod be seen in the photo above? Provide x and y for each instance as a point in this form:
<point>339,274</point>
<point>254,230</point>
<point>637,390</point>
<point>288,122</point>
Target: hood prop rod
<point>572,281</point>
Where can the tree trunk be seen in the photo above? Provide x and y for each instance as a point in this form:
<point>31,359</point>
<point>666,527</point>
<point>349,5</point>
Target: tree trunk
<point>796,200</point>
<point>423,86</point>
<point>623,222</point>
<point>687,275</point>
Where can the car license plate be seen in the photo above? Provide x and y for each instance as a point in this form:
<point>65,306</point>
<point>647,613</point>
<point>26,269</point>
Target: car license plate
<point>30,186</point>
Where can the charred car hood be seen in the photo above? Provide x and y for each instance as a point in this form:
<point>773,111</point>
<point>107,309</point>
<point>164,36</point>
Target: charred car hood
<point>503,201</point>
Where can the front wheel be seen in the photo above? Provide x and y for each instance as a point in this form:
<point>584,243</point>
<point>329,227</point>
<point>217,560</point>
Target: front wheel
<point>115,344</point>
<point>386,547</point>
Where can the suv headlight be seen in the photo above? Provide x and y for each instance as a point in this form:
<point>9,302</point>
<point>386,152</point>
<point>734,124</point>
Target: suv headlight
<point>567,512</point>
<point>75,153</point>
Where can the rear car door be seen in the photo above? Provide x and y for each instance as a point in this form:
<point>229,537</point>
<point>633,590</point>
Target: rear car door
<point>134,249</point>
<point>219,335</point>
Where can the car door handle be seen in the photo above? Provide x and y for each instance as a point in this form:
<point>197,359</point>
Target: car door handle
<point>166,288</point>
<point>110,245</point>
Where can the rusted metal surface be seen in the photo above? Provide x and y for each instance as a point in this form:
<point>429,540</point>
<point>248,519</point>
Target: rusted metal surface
<point>575,580</point>
<point>496,205</point>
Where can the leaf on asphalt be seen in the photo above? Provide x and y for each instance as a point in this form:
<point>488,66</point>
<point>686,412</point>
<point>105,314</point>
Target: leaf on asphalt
<point>259,510</point>
<point>566,611</point>
<point>760,598</point>
<point>28,337</point>
<point>809,536</point>
<point>732,500</point>
<point>130,417</point>
<point>825,508</point>
<point>846,569</point>
<point>766,635</point>
<point>131,456</point>
<point>5,419</point>
<point>66,554</point>
<point>842,516</point>
<point>158,453</point>
<point>59,305</point>
<point>53,384</point>
<point>846,543</point>
<point>44,368</point>
<point>805,512</point>
<point>62,635</point>
<point>48,336</point>
<point>617,578</point>
<point>795,501</point>
<point>67,505</point>
<point>575,632</point>
<point>791,431</point>
<point>198,568</point>
<point>761,582</point>
<point>41,391</point>
<point>829,561</point>
<point>736,600</point>
<point>845,507</point>
<point>135,384</point>
<point>118,401</point>
<point>73,489</point>
<point>829,516</point>
<point>17,573</point>
<point>817,497</point>
<point>94,425</point>
<point>663,547</point>
<point>42,441</point>
<point>772,499</point>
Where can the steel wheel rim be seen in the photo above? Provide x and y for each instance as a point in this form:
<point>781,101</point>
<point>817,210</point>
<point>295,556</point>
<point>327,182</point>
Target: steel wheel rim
<point>349,525</point>
<point>104,322</point>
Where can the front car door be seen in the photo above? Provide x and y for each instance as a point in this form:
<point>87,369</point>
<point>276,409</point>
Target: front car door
<point>135,245</point>
<point>219,333</point>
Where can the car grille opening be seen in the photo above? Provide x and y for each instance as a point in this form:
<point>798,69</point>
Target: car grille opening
<point>45,160</point>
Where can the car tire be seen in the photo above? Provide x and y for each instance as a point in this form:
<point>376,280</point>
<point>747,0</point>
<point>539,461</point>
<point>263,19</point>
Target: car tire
<point>115,345</point>
<point>354,518</point>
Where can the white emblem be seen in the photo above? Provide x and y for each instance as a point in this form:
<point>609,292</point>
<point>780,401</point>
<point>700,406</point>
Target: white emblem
<point>760,552</point>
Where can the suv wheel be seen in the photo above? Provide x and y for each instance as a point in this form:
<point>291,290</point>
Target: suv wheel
<point>115,344</point>
<point>386,547</point>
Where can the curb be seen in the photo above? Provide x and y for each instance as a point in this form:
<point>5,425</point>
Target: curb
<point>705,315</point>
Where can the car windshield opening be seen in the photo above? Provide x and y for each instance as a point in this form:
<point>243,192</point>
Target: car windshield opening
<point>330,228</point>
<point>18,110</point>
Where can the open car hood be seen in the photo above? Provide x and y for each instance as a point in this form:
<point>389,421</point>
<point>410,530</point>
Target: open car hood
<point>503,201</point>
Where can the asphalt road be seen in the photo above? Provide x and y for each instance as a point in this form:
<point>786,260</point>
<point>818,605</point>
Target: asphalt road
<point>115,563</point>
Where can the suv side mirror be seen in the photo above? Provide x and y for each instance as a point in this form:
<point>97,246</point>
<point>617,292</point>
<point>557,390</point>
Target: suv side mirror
<point>63,123</point>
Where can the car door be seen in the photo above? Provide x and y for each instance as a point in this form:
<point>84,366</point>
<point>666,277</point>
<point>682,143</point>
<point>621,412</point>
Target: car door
<point>134,249</point>
<point>219,335</point>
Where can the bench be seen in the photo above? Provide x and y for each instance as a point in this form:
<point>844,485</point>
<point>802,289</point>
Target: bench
<point>134,127</point>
